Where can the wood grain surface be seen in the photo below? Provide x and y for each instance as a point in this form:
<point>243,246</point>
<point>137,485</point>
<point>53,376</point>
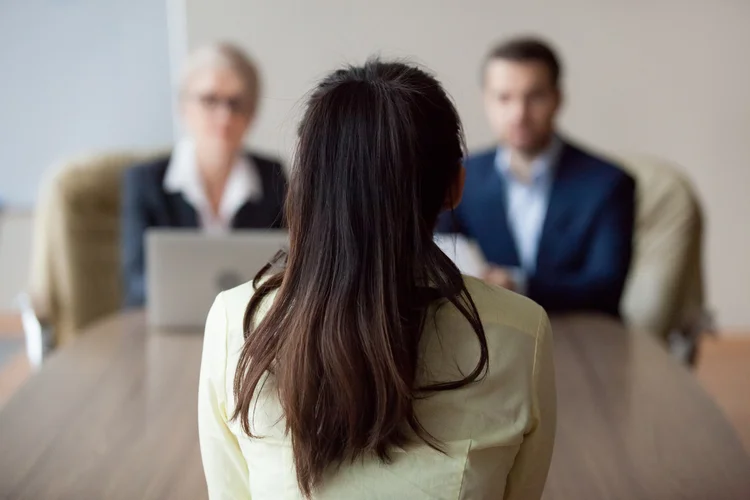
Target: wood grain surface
<point>634,424</point>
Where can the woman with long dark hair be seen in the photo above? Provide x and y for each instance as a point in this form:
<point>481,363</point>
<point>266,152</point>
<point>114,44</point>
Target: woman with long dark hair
<point>367,366</point>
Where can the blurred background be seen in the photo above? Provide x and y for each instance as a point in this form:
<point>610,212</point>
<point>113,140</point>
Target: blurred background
<point>664,79</point>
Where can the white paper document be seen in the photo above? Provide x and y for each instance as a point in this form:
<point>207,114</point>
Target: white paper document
<point>464,253</point>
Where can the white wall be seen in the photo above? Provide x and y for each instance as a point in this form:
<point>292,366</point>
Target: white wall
<point>78,75</point>
<point>666,77</point>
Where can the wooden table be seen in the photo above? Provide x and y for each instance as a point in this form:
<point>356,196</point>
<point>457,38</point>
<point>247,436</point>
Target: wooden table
<point>634,424</point>
<point>113,416</point>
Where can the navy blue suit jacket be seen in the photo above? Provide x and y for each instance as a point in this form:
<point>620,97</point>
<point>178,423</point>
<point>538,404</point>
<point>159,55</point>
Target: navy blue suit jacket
<point>586,242</point>
<point>146,204</point>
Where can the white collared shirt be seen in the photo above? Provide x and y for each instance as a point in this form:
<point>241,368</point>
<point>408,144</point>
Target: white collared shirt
<point>526,203</point>
<point>243,184</point>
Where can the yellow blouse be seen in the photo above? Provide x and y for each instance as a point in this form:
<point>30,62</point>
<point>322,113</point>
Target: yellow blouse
<point>498,432</point>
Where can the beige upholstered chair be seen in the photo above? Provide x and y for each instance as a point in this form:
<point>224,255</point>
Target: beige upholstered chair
<point>75,275</point>
<point>664,294</point>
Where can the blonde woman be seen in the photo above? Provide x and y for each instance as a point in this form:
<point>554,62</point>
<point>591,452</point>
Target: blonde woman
<point>208,181</point>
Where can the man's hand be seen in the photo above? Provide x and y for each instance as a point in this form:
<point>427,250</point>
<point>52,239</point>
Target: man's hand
<point>500,276</point>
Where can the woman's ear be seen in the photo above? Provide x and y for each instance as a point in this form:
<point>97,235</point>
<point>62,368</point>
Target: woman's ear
<point>456,190</point>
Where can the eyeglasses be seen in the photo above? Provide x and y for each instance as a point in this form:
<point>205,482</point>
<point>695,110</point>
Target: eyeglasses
<point>235,105</point>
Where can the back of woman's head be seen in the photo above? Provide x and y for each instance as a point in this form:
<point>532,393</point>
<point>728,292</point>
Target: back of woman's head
<point>380,149</point>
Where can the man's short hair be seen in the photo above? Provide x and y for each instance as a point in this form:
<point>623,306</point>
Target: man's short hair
<point>526,49</point>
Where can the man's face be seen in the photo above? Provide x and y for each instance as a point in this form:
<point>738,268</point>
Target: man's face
<point>521,103</point>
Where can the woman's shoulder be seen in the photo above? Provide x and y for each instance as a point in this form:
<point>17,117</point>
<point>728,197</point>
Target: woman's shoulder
<point>234,302</point>
<point>237,298</point>
<point>499,307</point>
<point>147,173</point>
<point>514,327</point>
<point>151,166</point>
<point>497,409</point>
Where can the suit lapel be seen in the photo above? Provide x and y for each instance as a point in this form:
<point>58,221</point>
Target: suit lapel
<point>560,207</point>
<point>181,211</point>
<point>251,213</point>
<point>246,216</point>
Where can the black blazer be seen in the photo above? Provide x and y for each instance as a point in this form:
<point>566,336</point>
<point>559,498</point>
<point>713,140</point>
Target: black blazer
<point>146,204</point>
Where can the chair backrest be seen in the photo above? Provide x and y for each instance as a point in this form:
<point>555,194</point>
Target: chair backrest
<point>665,286</point>
<point>75,276</point>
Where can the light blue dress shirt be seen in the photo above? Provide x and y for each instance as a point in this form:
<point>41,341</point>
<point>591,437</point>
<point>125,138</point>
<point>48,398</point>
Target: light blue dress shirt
<point>526,202</point>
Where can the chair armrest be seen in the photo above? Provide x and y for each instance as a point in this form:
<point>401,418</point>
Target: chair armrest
<point>39,337</point>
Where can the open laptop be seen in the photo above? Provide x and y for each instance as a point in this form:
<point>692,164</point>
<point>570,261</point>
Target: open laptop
<point>187,268</point>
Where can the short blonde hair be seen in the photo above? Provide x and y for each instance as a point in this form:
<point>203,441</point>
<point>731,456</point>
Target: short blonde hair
<point>226,55</point>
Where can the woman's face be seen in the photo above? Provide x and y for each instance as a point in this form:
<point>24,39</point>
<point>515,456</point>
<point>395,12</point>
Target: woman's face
<point>216,111</point>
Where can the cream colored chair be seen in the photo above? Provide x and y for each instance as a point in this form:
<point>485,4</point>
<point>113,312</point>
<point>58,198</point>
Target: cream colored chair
<point>75,275</point>
<point>664,294</point>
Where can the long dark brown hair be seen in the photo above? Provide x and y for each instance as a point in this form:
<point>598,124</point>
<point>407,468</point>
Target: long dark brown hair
<point>380,147</point>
